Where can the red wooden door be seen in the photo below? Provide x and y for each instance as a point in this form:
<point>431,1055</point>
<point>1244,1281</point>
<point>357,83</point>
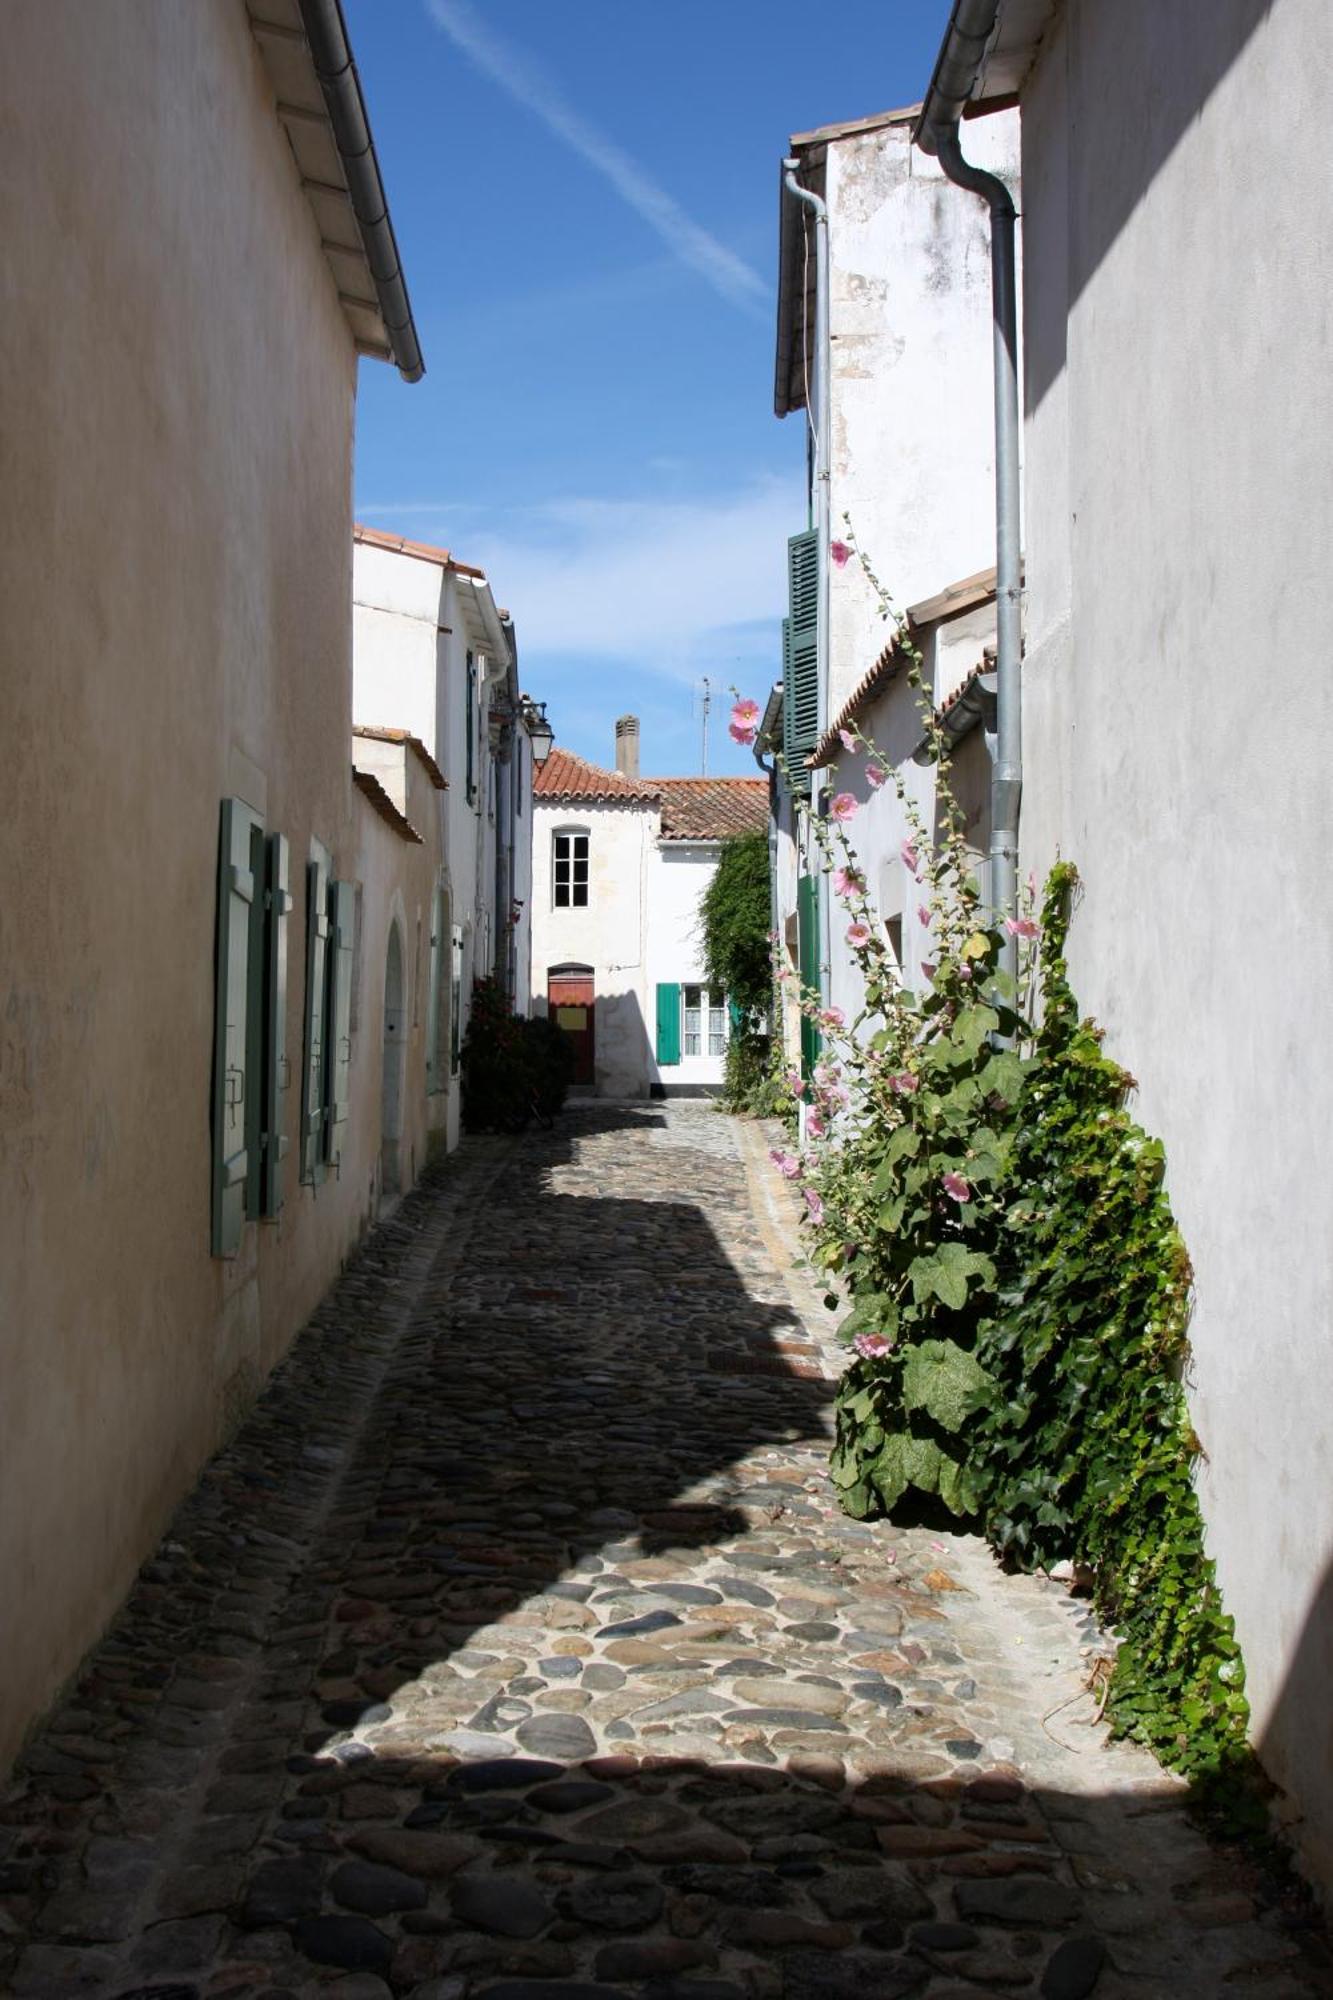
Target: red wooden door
<point>569,997</point>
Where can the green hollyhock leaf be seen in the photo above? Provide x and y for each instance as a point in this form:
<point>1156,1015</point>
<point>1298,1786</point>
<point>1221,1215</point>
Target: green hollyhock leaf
<point>945,1381</point>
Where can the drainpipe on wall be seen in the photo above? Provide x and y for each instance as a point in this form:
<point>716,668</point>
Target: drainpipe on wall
<point>970,28</point>
<point>821,417</point>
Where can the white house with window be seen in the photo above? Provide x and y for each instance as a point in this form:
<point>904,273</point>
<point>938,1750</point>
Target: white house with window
<point>435,660</point>
<point>619,864</point>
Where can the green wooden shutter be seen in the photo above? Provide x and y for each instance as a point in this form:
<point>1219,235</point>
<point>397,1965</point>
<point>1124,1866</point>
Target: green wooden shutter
<point>800,657</point>
<point>807,921</point>
<point>316,1009</point>
<point>276,1074</point>
<point>342,922</point>
<point>233,1084</point>
<point>455,998</point>
<point>668,1024</point>
<point>734,1016</point>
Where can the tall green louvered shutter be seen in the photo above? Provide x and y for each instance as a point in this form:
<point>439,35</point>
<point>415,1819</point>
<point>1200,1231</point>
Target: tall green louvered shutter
<point>234,1084</point>
<point>800,657</point>
<point>313,1083</point>
<point>276,1074</point>
<point>807,922</point>
<point>668,1024</point>
<point>342,924</point>
<point>471,718</point>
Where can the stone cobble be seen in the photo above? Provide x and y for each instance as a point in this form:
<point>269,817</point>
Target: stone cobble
<point>516,1647</point>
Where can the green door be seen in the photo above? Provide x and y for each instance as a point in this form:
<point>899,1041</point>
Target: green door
<point>807,923</point>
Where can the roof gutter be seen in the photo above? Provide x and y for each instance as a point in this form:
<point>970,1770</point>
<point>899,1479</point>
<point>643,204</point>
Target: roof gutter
<point>971,27</point>
<point>331,54</point>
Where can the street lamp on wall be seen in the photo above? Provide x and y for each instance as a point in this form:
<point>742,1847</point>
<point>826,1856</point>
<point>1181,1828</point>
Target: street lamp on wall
<point>540,733</point>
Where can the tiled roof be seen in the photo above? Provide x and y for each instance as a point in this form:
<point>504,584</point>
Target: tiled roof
<point>375,735</point>
<point>950,603</point>
<point>381,803</point>
<point>399,545</point>
<point>565,776</point>
<point>712,808</point>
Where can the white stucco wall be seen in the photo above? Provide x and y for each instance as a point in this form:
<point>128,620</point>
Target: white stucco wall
<point>1177,711</point>
<point>179,383</point>
<point>912,394</point>
<point>610,934</point>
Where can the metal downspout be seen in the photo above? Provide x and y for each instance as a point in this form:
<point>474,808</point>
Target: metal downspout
<point>326,35</point>
<point>822,418</point>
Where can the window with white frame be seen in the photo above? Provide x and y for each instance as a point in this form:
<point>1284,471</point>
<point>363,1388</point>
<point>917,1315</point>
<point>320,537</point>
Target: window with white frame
<point>571,870</point>
<point>705,1021</point>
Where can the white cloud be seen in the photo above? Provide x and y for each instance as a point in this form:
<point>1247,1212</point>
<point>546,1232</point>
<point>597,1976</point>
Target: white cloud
<point>674,588</point>
<point>516,74</point>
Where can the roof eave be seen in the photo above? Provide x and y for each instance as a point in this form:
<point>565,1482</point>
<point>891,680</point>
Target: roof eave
<point>988,49</point>
<point>318,99</point>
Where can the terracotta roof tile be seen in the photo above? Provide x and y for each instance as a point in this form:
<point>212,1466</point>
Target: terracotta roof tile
<point>375,538</point>
<point>713,808</point>
<point>951,603</point>
<point>381,803</point>
<point>376,735</point>
<point>565,776</point>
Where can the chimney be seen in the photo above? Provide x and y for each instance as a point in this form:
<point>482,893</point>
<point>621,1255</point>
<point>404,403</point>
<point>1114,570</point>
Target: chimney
<point>627,746</point>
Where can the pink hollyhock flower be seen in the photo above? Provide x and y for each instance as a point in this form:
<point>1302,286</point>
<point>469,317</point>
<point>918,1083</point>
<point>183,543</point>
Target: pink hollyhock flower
<point>815,1128</point>
<point>876,775</point>
<point>1032,884</point>
<point>965,974</point>
<point>832,1017</point>
<point>923,914</point>
<point>904,1083</point>
<point>927,971</point>
<point>840,553</point>
<point>858,935</point>
<point>1024,927</point>
<point>843,807</point>
<point>846,882</point>
<point>815,1206</point>
<point>741,733</point>
<point>786,1163</point>
<point>910,856</point>
<point>956,1187</point>
<point>870,1346</point>
<point>836,1093</point>
<point>745,712</point>
<point>847,740</point>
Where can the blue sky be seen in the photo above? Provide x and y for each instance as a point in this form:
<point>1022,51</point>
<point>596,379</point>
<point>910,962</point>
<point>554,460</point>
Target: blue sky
<point>585,197</point>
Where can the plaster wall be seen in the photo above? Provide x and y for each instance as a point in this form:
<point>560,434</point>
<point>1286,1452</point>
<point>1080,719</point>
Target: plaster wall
<point>912,449</point>
<point>395,880</point>
<point>1177,713</point>
<point>610,934</point>
<point>176,370</point>
<point>679,872</point>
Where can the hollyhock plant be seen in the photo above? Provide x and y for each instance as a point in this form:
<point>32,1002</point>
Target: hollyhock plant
<point>839,554</point>
<point>814,1202</point>
<point>786,1163</point>
<point>903,1083</point>
<point>843,808</point>
<point>832,1017</point>
<point>745,712</point>
<point>956,1187</point>
<point>847,740</point>
<point>847,882</point>
<point>1022,927</point>
<point>872,1346</point>
<point>858,935</point>
<point>814,1125</point>
<point>741,732</point>
<point>876,776</point>
<point>922,913</point>
<point>911,857</point>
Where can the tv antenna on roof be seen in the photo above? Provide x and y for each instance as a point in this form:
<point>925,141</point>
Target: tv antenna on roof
<point>705,704</point>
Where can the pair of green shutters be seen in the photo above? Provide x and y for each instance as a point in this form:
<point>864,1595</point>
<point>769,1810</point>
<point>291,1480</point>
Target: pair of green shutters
<point>800,658</point>
<point>250,1070</point>
<point>446,964</point>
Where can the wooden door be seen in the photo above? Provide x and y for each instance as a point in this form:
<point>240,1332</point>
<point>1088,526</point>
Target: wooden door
<point>569,997</point>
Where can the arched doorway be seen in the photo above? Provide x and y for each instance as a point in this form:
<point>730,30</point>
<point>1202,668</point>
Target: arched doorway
<point>391,1089</point>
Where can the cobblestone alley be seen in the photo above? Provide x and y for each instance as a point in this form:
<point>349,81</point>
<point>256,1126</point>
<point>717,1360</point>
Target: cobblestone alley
<point>516,1648</point>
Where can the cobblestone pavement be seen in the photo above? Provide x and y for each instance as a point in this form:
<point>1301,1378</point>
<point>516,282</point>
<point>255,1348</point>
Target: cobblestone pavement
<point>516,1648</point>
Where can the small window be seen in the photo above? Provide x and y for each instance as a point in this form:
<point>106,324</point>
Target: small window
<point>571,871</point>
<point>704,1014</point>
